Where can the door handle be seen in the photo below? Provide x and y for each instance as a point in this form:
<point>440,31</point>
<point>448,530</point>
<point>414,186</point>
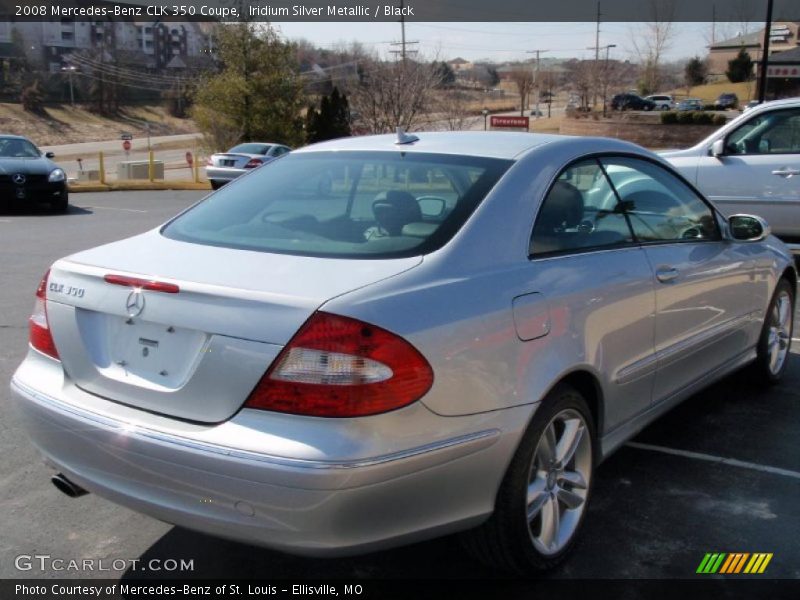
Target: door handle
<point>786,172</point>
<point>666,274</point>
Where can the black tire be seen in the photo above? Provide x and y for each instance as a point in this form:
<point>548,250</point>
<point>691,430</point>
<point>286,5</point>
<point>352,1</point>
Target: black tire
<point>506,541</point>
<point>215,185</point>
<point>763,368</point>
<point>62,205</point>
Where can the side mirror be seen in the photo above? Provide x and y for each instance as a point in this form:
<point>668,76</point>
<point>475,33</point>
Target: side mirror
<point>50,154</point>
<point>431,206</point>
<point>718,148</point>
<point>748,228</point>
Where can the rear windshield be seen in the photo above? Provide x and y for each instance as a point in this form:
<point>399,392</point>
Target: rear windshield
<point>343,204</point>
<point>251,148</point>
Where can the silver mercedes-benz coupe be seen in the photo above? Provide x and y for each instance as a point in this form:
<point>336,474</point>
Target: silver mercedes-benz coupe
<point>377,340</point>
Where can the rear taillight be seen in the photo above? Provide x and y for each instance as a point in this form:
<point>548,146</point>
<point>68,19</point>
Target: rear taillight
<point>253,163</point>
<point>209,162</point>
<point>340,367</point>
<point>38,327</point>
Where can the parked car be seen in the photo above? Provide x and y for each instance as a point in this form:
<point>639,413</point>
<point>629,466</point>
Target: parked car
<point>28,177</point>
<point>752,165</point>
<point>332,372</point>
<point>690,104</point>
<point>751,104</point>
<point>726,101</point>
<point>631,102</point>
<point>223,167</point>
<point>662,101</point>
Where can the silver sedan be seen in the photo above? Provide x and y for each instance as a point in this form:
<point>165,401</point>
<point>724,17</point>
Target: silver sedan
<point>384,339</point>
<point>225,166</point>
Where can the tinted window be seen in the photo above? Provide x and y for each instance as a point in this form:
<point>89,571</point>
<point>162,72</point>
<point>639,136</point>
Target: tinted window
<point>17,148</point>
<point>352,204</point>
<point>251,148</point>
<point>660,206</point>
<point>776,132</point>
<point>580,212</point>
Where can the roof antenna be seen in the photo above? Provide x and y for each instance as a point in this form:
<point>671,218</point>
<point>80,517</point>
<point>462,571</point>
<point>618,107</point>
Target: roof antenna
<point>405,138</point>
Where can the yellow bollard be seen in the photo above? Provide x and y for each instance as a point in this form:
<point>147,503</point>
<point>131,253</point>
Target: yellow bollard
<point>196,170</point>
<point>151,171</point>
<point>102,170</point>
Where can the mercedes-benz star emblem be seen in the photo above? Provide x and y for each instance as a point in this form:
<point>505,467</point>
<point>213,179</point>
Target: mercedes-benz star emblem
<point>18,178</point>
<point>135,303</point>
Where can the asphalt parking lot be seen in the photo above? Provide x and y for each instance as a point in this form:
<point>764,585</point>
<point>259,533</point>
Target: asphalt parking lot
<point>720,473</point>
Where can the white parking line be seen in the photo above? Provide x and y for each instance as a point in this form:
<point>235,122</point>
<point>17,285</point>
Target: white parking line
<point>115,208</point>
<point>717,459</point>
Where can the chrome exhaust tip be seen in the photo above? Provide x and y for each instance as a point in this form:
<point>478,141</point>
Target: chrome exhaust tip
<point>67,487</point>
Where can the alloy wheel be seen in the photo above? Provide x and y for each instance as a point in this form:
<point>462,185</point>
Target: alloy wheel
<point>558,481</point>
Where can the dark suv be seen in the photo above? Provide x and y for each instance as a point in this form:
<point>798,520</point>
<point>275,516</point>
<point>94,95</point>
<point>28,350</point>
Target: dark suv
<point>631,102</point>
<point>726,101</point>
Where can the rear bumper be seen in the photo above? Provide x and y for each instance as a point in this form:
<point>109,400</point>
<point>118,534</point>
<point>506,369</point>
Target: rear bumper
<point>320,507</point>
<point>224,173</point>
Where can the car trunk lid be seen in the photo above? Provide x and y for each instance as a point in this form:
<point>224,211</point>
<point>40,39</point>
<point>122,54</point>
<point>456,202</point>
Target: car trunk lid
<point>196,344</point>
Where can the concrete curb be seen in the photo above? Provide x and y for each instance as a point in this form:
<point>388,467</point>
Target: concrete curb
<point>138,186</point>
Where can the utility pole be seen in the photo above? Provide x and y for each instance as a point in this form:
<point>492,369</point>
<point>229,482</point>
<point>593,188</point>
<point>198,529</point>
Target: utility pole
<point>403,43</point>
<point>762,79</point>
<point>596,50</point>
<point>713,24</point>
<point>536,78</point>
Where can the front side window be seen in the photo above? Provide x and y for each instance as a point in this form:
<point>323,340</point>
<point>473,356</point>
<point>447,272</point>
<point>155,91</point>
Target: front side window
<point>382,204</point>
<point>580,212</point>
<point>775,132</point>
<point>17,148</point>
<point>659,206</point>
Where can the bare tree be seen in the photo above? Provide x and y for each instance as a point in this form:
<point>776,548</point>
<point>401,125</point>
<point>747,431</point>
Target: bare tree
<point>652,41</point>
<point>581,79</point>
<point>523,79</point>
<point>452,109</point>
<point>392,95</point>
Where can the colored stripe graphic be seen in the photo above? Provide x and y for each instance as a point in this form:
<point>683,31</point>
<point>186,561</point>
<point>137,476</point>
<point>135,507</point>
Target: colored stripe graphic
<point>759,562</point>
<point>733,563</point>
<point>711,563</point>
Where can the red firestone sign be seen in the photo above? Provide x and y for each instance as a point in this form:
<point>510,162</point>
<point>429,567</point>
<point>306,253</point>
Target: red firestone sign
<point>498,122</point>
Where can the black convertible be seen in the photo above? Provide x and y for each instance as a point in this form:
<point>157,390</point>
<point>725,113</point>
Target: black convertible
<point>28,176</point>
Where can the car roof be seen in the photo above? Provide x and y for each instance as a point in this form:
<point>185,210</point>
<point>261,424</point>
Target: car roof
<point>13,136</point>
<point>489,144</point>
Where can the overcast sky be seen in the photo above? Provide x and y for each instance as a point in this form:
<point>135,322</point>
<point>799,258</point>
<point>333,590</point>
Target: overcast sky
<point>507,41</point>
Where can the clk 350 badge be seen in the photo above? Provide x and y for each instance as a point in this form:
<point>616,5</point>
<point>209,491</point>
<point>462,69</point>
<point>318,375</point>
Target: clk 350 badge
<point>67,290</point>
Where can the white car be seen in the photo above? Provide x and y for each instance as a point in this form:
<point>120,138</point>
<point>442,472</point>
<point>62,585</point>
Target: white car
<point>752,165</point>
<point>663,101</point>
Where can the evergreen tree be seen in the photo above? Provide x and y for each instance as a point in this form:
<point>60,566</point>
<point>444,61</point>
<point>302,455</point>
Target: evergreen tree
<point>740,68</point>
<point>331,120</point>
<point>695,72</point>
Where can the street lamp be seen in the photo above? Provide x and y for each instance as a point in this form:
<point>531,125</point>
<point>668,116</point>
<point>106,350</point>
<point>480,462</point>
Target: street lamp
<point>485,113</point>
<point>70,69</point>
<point>605,77</point>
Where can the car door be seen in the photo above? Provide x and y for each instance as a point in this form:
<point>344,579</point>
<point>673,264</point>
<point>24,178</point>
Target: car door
<point>759,171</point>
<point>597,286</point>
<point>705,290</point>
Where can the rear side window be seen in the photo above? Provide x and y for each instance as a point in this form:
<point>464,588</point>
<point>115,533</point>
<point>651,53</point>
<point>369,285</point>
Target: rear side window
<point>343,204</point>
<point>580,212</point>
